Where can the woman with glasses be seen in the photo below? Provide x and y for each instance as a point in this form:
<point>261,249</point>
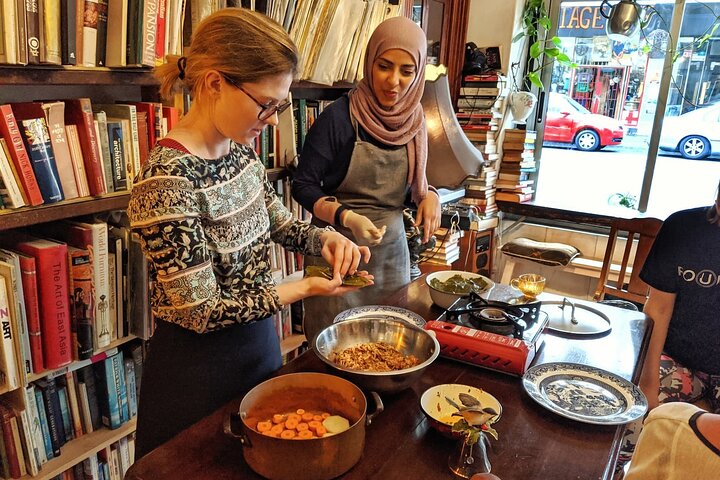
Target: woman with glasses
<point>206,214</point>
<point>683,271</point>
<point>363,162</point>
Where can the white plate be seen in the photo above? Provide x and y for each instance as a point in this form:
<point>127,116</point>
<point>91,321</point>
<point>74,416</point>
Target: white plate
<point>434,404</point>
<point>383,311</point>
<point>584,393</point>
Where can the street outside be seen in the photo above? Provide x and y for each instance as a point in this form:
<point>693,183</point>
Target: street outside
<point>577,180</point>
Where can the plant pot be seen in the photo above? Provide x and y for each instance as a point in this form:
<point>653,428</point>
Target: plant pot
<point>521,105</point>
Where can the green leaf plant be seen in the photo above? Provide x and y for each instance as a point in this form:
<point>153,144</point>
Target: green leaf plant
<point>544,50</point>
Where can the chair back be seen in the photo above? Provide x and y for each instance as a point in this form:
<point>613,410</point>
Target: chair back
<point>633,289</point>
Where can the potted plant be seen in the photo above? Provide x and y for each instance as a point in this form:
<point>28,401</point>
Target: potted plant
<point>542,51</point>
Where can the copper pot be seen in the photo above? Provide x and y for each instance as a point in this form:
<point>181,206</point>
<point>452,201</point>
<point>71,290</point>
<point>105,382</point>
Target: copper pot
<point>312,459</point>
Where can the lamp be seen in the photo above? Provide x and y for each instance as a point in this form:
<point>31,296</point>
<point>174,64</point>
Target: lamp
<point>624,19</point>
<point>451,156</point>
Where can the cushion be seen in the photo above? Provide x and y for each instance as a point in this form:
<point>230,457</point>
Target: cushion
<point>546,253</point>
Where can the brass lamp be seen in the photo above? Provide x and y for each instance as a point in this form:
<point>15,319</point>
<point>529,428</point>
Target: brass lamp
<point>451,156</point>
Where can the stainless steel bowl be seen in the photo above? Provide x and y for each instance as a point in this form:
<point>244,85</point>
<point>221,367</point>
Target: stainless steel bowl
<point>406,338</point>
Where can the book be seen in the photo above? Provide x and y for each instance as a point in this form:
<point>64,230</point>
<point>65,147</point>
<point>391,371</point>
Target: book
<point>78,111</point>
<point>10,373</point>
<point>16,469</point>
<point>20,323</point>
<point>27,442</point>
<point>88,397</point>
<point>132,394</point>
<point>34,424</point>
<point>118,111</point>
<point>51,31</point>
<point>82,300</point>
<point>72,394</point>
<point>51,402</point>
<point>55,119</point>
<point>33,31</point>
<point>108,394</point>
<point>44,425</point>
<point>78,163</point>
<point>11,132</point>
<point>90,32</point>
<point>68,28</point>
<point>37,142</point>
<point>65,409</point>
<point>52,270</point>
<point>12,196</point>
<point>102,28</point>
<point>118,154</point>
<point>513,197</point>
<point>117,25</point>
<point>104,143</point>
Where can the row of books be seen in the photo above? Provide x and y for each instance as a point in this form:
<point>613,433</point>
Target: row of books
<point>110,463</point>
<point>66,292</point>
<point>514,182</point>
<point>102,393</point>
<point>60,150</point>
<point>90,33</point>
<point>446,249</point>
<point>331,35</point>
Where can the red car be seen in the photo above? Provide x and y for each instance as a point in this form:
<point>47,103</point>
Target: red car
<point>567,121</point>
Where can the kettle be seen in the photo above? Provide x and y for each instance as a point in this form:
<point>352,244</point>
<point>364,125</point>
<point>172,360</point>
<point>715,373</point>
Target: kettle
<point>624,19</point>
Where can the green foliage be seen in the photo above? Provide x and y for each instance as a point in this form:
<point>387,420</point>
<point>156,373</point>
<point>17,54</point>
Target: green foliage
<point>626,200</point>
<point>543,50</point>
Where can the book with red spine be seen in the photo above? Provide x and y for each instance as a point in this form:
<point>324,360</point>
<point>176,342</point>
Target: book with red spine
<point>10,130</point>
<point>28,274</point>
<point>78,111</point>
<point>6,415</point>
<point>51,261</point>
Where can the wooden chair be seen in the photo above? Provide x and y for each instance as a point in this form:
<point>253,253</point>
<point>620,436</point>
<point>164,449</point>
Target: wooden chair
<point>634,289</point>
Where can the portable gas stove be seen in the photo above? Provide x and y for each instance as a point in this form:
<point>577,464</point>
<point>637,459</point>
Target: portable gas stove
<point>494,335</point>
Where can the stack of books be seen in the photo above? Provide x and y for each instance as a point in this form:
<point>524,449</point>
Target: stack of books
<point>481,107</point>
<point>518,163</point>
<point>447,247</point>
<point>480,193</point>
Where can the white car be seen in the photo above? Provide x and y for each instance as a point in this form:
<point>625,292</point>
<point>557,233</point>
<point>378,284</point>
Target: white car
<point>694,134</point>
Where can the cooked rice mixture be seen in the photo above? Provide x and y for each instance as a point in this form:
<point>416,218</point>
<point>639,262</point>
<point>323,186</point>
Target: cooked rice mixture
<point>373,357</point>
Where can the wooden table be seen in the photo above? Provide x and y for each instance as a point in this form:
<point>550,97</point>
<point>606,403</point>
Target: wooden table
<point>534,442</point>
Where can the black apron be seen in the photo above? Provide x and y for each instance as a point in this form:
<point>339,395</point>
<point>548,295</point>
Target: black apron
<point>187,375</point>
<point>375,186</point>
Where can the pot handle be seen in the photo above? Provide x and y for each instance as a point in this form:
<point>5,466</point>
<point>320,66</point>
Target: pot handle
<point>602,9</point>
<point>379,407</point>
<point>232,423</point>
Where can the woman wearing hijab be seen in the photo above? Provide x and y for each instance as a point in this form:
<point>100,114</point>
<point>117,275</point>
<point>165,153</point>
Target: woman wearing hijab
<point>364,161</point>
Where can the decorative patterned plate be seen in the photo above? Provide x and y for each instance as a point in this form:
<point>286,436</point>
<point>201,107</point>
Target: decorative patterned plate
<point>382,311</point>
<point>584,393</point>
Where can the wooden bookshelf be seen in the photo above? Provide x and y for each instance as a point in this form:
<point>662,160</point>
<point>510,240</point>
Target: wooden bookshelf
<point>26,216</point>
<point>293,342</point>
<point>81,448</point>
<point>68,75</point>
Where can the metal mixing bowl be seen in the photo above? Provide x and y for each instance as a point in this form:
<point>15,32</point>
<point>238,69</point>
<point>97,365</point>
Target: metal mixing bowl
<point>406,338</point>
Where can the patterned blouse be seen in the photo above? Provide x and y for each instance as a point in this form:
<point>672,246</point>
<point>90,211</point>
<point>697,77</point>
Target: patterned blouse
<point>206,227</point>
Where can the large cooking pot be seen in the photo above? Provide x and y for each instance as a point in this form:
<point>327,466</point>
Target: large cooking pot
<point>312,459</point>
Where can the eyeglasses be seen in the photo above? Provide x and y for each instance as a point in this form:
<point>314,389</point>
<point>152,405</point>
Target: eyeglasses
<point>266,110</point>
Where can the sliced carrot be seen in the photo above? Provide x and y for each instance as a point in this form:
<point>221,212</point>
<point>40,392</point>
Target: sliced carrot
<point>307,416</point>
<point>294,416</point>
<point>291,424</point>
<point>324,415</point>
<point>305,434</point>
<point>270,433</point>
<point>278,418</point>
<point>318,418</point>
<point>301,426</point>
<point>313,425</point>
<point>276,429</point>
<point>320,431</point>
<point>287,434</point>
<point>264,426</point>
<point>300,411</point>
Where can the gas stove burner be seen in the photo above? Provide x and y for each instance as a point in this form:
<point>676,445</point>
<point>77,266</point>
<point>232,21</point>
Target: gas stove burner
<point>498,321</point>
<point>492,315</point>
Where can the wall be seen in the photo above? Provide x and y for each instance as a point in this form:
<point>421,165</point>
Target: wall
<point>492,22</point>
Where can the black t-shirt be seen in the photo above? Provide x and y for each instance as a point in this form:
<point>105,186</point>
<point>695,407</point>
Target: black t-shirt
<point>685,260</point>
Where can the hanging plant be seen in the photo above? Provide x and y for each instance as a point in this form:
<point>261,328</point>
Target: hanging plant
<point>626,200</point>
<point>544,50</point>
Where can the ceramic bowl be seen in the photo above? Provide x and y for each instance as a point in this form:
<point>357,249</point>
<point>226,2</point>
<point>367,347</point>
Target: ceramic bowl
<point>444,299</point>
<point>438,410</point>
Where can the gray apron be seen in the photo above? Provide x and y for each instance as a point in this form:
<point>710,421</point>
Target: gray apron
<point>375,186</point>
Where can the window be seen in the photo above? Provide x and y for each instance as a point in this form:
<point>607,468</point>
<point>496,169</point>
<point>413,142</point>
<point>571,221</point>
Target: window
<point>599,129</point>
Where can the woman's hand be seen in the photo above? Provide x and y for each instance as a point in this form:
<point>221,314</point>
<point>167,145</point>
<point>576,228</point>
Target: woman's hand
<point>342,254</point>
<point>429,215</point>
<point>363,229</point>
<point>289,292</point>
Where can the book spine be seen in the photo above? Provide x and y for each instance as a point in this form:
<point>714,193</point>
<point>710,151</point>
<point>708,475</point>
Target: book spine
<point>32,309</point>
<point>11,131</point>
<point>86,376</point>
<point>51,31</point>
<point>65,412</point>
<point>32,22</point>
<point>34,423</point>
<point>102,135</point>
<point>131,388</point>
<point>160,36</point>
<point>21,22</point>
<point>55,119</point>
<point>44,425</point>
<point>7,434</point>
<point>32,457</point>
<point>149,32</point>
<point>119,378</point>
<point>68,22</point>
<point>15,426</point>
<point>19,324</point>
<point>82,296</point>
<point>108,399</point>
<point>102,19</point>
<point>52,410</point>
<point>75,414</point>
<point>37,141</point>
<point>13,198</point>
<point>90,33</point>
<point>52,269</point>
<point>79,112</point>
<point>12,376</point>
<point>117,154</point>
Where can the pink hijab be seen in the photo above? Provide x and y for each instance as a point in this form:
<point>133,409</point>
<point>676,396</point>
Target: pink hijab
<point>404,123</point>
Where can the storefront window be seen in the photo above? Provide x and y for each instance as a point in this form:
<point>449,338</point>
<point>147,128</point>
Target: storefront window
<point>599,119</point>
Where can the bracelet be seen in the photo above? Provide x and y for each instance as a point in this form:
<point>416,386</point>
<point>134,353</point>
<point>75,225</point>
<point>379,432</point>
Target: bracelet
<point>338,213</point>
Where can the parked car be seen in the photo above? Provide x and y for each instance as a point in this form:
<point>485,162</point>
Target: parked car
<point>694,134</point>
<point>567,121</point>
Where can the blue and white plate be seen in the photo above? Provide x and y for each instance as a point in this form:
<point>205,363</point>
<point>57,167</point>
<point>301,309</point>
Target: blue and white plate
<point>584,393</point>
<point>381,311</point>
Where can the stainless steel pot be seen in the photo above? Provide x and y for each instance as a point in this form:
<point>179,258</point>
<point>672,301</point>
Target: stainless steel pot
<point>312,459</point>
<point>406,338</point>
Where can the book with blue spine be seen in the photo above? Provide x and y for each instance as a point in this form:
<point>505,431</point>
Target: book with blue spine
<point>118,154</point>
<point>121,386</point>
<point>131,387</point>
<point>65,412</point>
<point>108,394</point>
<point>44,425</point>
<point>37,141</point>
<point>51,402</point>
